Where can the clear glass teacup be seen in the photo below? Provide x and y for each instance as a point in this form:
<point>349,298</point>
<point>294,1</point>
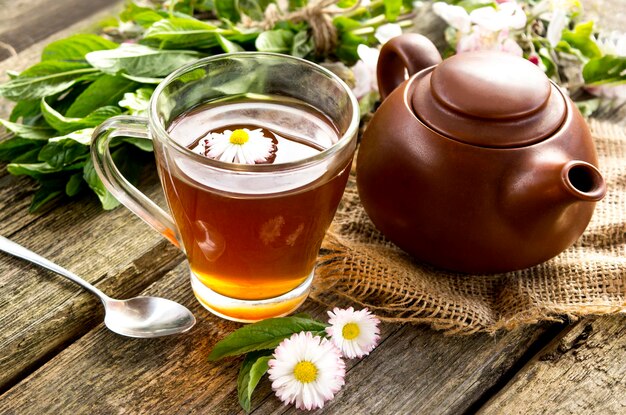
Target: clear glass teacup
<point>251,232</point>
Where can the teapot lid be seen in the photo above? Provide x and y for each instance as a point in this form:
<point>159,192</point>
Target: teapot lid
<point>489,99</point>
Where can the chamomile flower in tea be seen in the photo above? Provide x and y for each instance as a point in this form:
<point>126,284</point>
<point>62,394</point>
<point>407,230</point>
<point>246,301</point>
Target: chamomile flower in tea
<point>241,145</point>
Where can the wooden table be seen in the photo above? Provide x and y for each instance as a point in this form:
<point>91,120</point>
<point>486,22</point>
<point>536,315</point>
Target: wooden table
<point>57,357</point>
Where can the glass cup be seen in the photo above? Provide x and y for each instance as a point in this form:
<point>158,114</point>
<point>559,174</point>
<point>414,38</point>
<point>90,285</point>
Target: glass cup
<point>251,233</point>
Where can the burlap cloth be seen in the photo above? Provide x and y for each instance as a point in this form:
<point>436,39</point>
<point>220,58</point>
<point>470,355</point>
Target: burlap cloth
<point>358,265</point>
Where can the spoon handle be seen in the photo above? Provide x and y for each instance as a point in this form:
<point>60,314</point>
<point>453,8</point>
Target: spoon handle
<point>19,251</point>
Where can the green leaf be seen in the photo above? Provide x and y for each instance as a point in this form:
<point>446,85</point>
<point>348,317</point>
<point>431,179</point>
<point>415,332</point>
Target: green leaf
<point>107,200</point>
<point>74,184</point>
<point>582,39</point>
<point>80,136</point>
<point>228,46</point>
<point>137,102</point>
<point>254,366</point>
<point>44,196</point>
<point>344,4</point>
<point>26,110</point>
<point>392,9</point>
<point>253,8</point>
<point>347,49</point>
<point>227,9</point>
<point>177,33</point>
<point>142,144</point>
<point>65,125</point>
<point>106,90</point>
<point>28,156</point>
<point>37,170</point>
<point>277,41</point>
<point>303,44</point>
<point>16,146</point>
<point>53,68</point>
<point>264,334</point>
<point>74,48</point>
<point>45,79</point>
<point>344,23</point>
<point>140,60</point>
<point>147,18</point>
<point>63,152</point>
<point>296,4</point>
<point>143,79</point>
<point>548,63</point>
<point>605,70</point>
<point>28,131</point>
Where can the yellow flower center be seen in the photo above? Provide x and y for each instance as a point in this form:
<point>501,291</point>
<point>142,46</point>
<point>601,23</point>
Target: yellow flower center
<point>350,331</point>
<point>305,372</point>
<point>239,137</point>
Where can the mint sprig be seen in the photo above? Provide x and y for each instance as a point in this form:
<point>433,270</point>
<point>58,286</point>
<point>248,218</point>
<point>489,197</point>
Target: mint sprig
<point>86,78</point>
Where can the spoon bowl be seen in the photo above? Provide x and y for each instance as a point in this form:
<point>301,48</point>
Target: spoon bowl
<point>140,317</point>
<point>146,317</point>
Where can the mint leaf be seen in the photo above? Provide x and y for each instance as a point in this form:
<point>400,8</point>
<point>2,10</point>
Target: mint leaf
<point>228,46</point>
<point>26,110</point>
<point>181,33</point>
<point>140,60</point>
<point>252,370</point>
<point>106,90</point>
<point>392,9</point>
<point>137,102</point>
<point>74,184</point>
<point>582,39</point>
<point>80,136</point>
<point>44,79</point>
<point>227,9</point>
<point>74,48</point>
<point>65,124</point>
<point>107,200</point>
<point>303,44</point>
<point>264,334</point>
<point>277,41</point>
<point>63,152</point>
<point>37,170</point>
<point>45,195</point>
<point>14,147</point>
<point>605,70</point>
<point>28,131</point>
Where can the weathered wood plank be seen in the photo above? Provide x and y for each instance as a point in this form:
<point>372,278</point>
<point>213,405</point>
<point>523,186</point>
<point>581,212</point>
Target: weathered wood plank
<point>113,249</point>
<point>582,372</point>
<point>28,22</point>
<point>414,369</point>
<point>418,370</point>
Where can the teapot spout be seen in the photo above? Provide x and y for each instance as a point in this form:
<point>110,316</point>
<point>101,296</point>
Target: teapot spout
<point>546,195</point>
<point>583,181</point>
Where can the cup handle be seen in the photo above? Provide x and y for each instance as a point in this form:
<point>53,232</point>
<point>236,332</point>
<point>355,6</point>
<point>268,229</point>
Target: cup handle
<point>410,53</point>
<point>126,193</point>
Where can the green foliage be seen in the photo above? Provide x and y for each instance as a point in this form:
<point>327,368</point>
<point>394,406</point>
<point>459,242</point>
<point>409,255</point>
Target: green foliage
<point>604,70</point>
<point>252,370</point>
<point>264,335</point>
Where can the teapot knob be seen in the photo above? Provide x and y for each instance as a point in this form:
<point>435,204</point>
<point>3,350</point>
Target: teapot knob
<point>410,53</point>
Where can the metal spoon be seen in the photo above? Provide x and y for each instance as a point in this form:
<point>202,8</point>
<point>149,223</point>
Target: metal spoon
<point>141,317</point>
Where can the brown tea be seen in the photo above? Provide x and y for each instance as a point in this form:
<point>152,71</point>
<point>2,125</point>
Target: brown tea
<point>241,241</point>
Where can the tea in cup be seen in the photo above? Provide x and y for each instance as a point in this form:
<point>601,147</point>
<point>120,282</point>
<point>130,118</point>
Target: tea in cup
<point>253,152</point>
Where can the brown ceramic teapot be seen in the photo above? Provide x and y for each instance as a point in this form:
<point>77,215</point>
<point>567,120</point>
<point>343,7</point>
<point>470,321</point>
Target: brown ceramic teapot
<point>476,164</point>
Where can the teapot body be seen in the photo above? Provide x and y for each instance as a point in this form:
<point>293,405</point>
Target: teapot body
<point>470,208</point>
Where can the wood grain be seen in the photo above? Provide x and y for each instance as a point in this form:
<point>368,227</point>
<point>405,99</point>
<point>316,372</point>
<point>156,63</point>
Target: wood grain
<point>582,372</point>
<point>414,369</point>
<point>28,22</point>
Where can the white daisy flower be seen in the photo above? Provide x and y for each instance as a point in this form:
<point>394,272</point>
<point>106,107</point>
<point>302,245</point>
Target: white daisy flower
<point>355,333</point>
<point>242,146</point>
<point>306,370</point>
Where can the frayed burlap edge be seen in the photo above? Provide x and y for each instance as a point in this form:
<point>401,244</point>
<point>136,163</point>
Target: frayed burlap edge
<point>359,266</point>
